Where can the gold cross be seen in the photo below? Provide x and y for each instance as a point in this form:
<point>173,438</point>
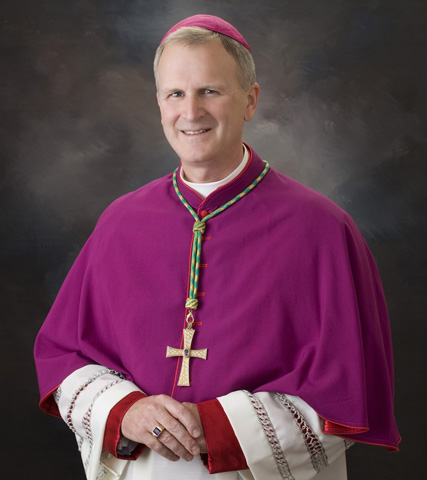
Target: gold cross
<point>186,353</point>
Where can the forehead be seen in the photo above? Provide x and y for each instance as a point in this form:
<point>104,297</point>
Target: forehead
<point>201,61</point>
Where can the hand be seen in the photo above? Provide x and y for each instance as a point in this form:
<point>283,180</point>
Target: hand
<point>181,427</point>
<point>201,441</point>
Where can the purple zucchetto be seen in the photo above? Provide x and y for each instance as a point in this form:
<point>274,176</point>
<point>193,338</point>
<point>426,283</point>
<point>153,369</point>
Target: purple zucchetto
<point>212,23</point>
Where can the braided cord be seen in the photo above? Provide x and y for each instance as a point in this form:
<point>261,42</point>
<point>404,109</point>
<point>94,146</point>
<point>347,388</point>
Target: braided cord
<point>199,228</point>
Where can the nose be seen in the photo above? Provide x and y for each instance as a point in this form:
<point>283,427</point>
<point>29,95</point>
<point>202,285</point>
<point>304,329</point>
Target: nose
<point>192,108</point>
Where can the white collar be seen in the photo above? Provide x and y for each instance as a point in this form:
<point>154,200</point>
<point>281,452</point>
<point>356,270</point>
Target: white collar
<point>205,189</point>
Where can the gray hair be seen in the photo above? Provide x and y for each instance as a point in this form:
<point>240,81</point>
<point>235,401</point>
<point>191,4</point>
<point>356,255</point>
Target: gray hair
<point>199,36</point>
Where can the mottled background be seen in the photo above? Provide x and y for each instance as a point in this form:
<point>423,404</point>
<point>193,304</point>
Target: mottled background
<point>342,110</point>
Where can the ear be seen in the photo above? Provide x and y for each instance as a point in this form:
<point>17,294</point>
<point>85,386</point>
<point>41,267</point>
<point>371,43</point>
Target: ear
<point>252,101</point>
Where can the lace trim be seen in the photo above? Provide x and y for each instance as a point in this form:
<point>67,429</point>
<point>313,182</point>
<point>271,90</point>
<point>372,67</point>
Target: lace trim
<point>315,448</point>
<point>57,394</point>
<point>87,418</point>
<point>88,415</point>
<point>72,404</point>
<point>79,443</point>
<point>270,434</point>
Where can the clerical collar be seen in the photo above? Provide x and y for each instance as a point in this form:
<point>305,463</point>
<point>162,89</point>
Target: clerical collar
<point>205,189</point>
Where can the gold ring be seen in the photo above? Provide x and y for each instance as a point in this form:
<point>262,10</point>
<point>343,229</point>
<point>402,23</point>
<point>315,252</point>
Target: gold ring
<point>157,430</point>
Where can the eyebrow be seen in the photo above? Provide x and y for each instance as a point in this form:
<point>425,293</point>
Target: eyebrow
<point>169,90</point>
<point>208,86</point>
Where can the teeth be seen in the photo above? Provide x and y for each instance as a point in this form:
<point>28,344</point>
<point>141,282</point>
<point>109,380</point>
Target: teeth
<point>192,132</point>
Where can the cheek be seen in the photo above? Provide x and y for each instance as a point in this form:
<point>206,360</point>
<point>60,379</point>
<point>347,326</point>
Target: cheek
<point>167,115</point>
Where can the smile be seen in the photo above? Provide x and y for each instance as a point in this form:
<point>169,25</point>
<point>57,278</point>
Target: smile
<point>195,132</point>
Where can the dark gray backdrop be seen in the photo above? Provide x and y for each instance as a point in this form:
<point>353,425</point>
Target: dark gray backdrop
<point>343,105</point>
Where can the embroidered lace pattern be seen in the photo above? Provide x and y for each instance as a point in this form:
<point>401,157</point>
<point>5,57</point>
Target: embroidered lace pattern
<point>314,446</point>
<point>74,398</point>
<point>87,418</point>
<point>79,443</point>
<point>270,434</point>
<point>57,394</point>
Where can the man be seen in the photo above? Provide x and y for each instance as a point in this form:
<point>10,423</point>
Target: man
<point>224,316</point>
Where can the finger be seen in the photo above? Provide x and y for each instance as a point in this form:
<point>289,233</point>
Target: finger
<point>174,446</point>
<point>176,436</point>
<point>147,413</point>
<point>155,445</point>
<point>173,449</point>
<point>184,416</point>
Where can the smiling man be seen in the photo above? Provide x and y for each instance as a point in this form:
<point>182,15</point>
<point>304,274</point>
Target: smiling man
<point>223,321</point>
<point>204,105</point>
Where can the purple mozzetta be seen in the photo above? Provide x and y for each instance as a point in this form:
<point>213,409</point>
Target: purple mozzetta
<point>290,301</point>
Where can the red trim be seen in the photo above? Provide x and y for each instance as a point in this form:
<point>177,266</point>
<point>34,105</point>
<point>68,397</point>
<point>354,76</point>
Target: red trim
<point>390,448</point>
<point>113,426</point>
<point>178,363</point>
<point>186,186</point>
<point>48,405</point>
<point>344,431</point>
<point>224,451</point>
<point>248,148</point>
<point>179,359</point>
<point>250,154</point>
<point>333,428</point>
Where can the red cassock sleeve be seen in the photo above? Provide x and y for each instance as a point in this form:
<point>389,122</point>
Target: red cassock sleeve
<point>224,451</point>
<point>112,429</point>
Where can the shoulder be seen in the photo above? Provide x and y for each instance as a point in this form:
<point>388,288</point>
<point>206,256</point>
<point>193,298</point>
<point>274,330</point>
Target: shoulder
<point>309,216</point>
<point>289,194</point>
<point>145,198</point>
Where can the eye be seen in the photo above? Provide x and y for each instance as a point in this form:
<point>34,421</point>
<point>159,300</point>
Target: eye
<point>209,91</point>
<point>177,94</point>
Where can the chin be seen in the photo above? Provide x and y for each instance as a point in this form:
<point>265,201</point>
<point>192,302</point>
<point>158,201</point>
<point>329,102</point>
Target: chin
<point>193,157</point>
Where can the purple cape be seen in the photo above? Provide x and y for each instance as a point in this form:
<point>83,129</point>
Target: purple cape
<point>290,301</point>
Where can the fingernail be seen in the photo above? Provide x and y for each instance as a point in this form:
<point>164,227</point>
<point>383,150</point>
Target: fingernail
<point>196,432</point>
<point>189,458</point>
<point>195,450</point>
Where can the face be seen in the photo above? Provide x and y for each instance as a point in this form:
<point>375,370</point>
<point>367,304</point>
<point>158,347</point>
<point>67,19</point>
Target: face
<point>203,107</point>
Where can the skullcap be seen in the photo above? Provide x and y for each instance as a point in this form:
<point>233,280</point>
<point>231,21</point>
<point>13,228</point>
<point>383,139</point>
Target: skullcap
<point>212,23</point>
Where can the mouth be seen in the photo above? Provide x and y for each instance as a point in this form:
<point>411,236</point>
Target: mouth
<point>195,132</point>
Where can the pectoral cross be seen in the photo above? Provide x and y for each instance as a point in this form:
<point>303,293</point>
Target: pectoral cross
<point>186,353</point>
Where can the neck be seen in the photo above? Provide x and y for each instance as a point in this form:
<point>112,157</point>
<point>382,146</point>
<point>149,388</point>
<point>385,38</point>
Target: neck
<point>214,171</point>
<point>206,188</point>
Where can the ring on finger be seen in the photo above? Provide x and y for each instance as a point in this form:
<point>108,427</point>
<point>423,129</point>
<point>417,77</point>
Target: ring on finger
<point>157,430</point>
